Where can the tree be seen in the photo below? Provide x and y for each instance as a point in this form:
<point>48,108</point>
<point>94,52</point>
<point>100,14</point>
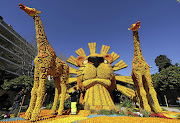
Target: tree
<point>167,81</point>
<point>25,82</point>
<point>31,38</point>
<point>162,62</point>
<point>2,76</point>
<point>64,58</point>
<point>18,83</point>
<point>49,85</point>
<point>178,1</point>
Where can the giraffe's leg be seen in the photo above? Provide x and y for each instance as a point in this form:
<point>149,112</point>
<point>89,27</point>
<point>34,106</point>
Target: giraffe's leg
<point>138,99</point>
<point>64,81</point>
<point>33,93</point>
<point>40,94</point>
<point>137,90</point>
<point>142,92</point>
<point>57,93</point>
<point>32,103</point>
<point>153,94</point>
<point>147,92</point>
<point>62,98</point>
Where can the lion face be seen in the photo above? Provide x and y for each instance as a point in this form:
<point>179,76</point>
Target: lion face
<point>95,69</point>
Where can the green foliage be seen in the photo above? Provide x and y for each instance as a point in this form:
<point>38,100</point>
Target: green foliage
<point>145,113</point>
<point>162,62</point>
<point>127,103</point>
<point>121,113</point>
<point>93,111</point>
<point>15,113</point>
<point>18,83</point>
<point>49,85</point>
<point>80,106</point>
<point>163,109</point>
<point>118,107</point>
<point>178,116</point>
<point>49,106</point>
<point>113,111</point>
<point>25,82</point>
<point>1,117</point>
<point>104,111</point>
<point>125,112</point>
<point>67,104</point>
<point>167,79</point>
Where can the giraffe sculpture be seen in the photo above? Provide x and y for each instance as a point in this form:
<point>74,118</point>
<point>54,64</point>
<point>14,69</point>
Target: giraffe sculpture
<point>46,63</point>
<point>141,76</point>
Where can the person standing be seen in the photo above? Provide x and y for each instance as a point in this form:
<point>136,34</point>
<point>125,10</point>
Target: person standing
<point>17,100</point>
<point>74,97</point>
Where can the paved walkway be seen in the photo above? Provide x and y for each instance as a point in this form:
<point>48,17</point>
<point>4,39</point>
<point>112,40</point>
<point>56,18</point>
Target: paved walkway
<point>172,109</point>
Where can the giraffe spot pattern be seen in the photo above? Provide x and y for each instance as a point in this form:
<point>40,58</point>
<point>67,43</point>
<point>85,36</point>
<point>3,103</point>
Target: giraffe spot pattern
<point>42,47</point>
<point>36,78</point>
<point>140,64</point>
<point>40,40</point>
<point>43,69</point>
<point>43,55</point>
<point>135,60</point>
<point>44,76</point>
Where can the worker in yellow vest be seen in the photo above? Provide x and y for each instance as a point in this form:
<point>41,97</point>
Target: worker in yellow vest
<point>74,97</point>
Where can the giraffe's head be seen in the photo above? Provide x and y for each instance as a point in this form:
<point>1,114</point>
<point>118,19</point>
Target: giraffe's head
<point>135,27</point>
<point>30,11</point>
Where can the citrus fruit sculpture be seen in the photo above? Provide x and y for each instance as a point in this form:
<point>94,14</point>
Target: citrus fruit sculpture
<point>95,77</point>
<point>141,76</point>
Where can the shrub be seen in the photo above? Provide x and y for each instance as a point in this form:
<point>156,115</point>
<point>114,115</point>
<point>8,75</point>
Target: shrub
<point>128,104</point>
<point>178,116</point>
<point>118,107</point>
<point>1,116</point>
<point>104,111</point>
<point>135,110</point>
<point>80,106</point>
<point>121,113</point>
<point>125,112</point>
<point>93,111</point>
<point>113,111</point>
<point>129,109</point>
<point>145,113</point>
<point>67,104</point>
<point>16,113</point>
<point>49,106</point>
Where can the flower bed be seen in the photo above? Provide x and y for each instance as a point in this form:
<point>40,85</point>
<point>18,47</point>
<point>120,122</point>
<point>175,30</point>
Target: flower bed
<point>84,116</point>
<point>128,119</point>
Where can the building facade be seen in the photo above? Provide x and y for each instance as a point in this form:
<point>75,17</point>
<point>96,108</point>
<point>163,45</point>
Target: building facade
<point>16,54</point>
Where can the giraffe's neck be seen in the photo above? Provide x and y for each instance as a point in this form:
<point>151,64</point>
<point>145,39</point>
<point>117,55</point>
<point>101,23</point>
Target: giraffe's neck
<point>40,33</point>
<point>137,48</point>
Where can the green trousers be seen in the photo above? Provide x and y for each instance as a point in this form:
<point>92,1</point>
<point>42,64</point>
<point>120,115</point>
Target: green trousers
<point>73,107</point>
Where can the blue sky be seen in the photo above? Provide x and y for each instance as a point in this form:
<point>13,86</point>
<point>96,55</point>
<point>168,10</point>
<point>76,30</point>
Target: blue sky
<point>72,24</point>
